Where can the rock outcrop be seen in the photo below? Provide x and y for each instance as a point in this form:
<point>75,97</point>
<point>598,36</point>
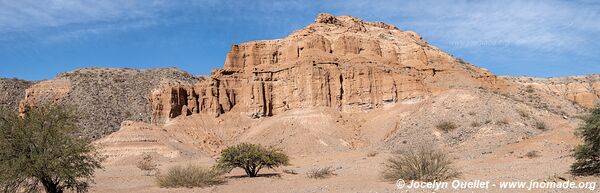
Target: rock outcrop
<point>339,62</point>
<point>583,90</point>
<point>12,91</point>
<point>104,97</point>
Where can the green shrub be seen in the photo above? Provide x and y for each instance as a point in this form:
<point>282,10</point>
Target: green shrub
<point>446,126</point>
<point>423,164</point>
<point>190,176</point>
<point>320,173</point>
<point>252,158</point>
<point>587,155</point>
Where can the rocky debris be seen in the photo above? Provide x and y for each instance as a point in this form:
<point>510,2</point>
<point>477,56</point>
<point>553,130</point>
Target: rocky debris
<point>477,114</point>
<point>11,92</point>
<point>583,90</point>
<point>338,62</point>
<point>104,97</point>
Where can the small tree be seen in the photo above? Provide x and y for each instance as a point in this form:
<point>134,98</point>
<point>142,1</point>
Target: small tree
<point>251,158</point>
<point>40,148</point>
<point>587,155</point>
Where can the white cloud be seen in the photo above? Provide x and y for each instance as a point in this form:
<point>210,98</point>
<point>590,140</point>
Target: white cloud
<point>25,15</point>
<point>545,25</point>
<point>550,25</point>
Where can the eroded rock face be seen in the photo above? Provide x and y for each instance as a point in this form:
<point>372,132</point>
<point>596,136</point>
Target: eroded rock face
<point>45,92</point>
<point>583,90</point>
<point>338,62</point>
<point>104,97</point>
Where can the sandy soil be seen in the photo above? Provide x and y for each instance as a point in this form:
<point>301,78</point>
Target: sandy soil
<point>493,136</point>
<point>357,172</point>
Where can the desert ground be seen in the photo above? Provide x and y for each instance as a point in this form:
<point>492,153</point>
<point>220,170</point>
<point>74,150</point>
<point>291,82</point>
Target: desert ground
<point>358,170</point>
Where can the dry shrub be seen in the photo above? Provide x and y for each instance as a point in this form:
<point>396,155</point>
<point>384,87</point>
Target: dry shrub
<point>147,165</point>
<point>422,164</point>
<point>523,113</point>
<point>320,173</point>
<point>190,176</point>
<point>532,154</point>
<point>541,125</point>
<point>475,124</point>
<point>290,171</point>
<point>529,89</point>
<point>372,154</point>
<point>502,122</point>
<point>446,126</point>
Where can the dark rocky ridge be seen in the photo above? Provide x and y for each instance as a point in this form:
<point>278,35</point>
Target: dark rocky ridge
<point>12,91</point>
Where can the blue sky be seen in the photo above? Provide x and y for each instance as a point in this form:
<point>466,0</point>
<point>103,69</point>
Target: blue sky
<point>39,39</point>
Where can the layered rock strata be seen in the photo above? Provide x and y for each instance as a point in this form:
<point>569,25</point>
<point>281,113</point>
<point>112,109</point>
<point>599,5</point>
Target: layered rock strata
<point>338,62</point>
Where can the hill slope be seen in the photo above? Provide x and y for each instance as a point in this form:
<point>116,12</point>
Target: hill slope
<point>13,91</point>
<point>104,97</point>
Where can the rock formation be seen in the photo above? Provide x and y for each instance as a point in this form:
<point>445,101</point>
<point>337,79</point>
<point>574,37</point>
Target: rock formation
<point>339,62</point>
<point>104,97</point>
<point>583,90</point>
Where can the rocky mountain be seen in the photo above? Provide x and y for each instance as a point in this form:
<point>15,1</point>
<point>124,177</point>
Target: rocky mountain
<point>12,91</point>
<point>340,93</point>
<point>340,83</point>
<point>339,62</point>
<point>104,97</point>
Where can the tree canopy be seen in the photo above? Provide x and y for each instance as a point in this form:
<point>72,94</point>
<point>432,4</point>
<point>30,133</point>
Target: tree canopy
<point>40,148</point>
<point>587,155</point>
<point>252,158</point>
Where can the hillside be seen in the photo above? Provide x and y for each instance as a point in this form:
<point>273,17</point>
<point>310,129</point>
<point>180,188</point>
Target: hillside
<point>583,90</point>
<point>104,97</point>
<point>13,91</point>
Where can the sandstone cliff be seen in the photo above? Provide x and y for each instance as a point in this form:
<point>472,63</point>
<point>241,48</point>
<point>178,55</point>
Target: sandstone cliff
<point>11,92</point>
<point>583,90</point>
<point>339,65</point>
<point>104,97</point>
<point>338,62</point>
